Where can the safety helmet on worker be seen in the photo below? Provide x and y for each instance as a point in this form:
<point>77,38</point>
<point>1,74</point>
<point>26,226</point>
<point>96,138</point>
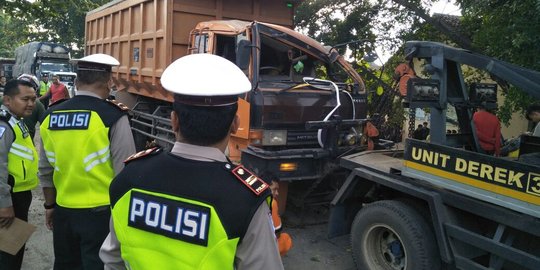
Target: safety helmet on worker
<point>33,80</point>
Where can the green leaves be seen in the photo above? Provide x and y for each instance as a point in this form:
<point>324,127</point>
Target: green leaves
<point>506,30</point>
<point>509,31</point>
<point>53,20</point>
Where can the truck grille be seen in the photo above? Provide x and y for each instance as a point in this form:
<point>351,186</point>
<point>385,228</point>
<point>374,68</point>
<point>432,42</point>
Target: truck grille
<point>301,137</point>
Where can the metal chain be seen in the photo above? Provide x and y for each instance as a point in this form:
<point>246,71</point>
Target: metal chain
<point>412,121</point>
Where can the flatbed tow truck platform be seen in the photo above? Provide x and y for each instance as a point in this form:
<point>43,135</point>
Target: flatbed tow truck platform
<point>476,224</point>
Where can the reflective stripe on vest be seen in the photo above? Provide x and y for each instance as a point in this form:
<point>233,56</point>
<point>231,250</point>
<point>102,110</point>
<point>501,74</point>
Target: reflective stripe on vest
<point>145,222</point>
<point>22,158</point>
<point>22,151</point>
<point>96,158</point>
<point>51,157</point>
<point>81,177</point>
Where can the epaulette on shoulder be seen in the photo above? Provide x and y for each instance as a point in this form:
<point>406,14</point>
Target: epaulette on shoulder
<point>4,115</point>
<point>145,153</point>
<point>119,105</point>
<point>250,180</point>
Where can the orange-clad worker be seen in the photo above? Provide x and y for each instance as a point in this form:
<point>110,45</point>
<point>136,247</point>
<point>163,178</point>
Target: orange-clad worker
<point>284,240</point>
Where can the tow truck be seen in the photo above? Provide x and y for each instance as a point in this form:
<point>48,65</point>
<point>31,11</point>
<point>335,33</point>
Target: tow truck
<point>442,203</point>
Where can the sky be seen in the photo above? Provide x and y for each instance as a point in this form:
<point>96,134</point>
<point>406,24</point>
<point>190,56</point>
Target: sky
<point>446,7</point>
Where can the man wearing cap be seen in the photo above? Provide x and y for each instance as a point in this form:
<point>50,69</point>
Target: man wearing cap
<point>84,142</point>
<point>191,208</point>
<point>18,161</point>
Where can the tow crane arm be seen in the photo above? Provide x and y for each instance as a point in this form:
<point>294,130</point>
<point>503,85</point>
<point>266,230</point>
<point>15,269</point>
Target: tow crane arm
<point>444,65</point>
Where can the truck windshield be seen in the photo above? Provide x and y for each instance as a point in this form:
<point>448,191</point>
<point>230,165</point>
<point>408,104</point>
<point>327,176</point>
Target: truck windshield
<point>53,67</point>
<point>285,63</point>
<point>199,43</point>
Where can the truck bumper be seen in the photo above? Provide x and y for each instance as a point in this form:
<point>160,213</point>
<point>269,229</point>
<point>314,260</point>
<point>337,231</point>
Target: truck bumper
<point>288,165</point>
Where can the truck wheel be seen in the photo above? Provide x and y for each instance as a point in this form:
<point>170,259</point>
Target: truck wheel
<point>390,235</point>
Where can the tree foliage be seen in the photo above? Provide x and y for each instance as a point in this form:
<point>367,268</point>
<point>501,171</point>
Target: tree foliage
<point>509,31</point>
<point>48,20</point>
<point>12,34</point>
<point>506,30</point>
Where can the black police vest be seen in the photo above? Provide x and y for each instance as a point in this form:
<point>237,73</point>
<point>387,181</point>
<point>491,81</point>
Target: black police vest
<point>211,183</point>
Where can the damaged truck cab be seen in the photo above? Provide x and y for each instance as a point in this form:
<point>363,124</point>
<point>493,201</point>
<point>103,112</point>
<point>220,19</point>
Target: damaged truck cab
<point>282,65</point>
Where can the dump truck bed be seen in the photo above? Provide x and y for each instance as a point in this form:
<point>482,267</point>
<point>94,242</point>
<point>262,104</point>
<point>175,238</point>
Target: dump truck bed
<point>146,36</point>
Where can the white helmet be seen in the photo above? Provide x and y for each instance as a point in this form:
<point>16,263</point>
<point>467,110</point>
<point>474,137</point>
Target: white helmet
<point>31,79</point>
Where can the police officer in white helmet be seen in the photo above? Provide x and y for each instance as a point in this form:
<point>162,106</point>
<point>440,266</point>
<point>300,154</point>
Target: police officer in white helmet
<point>192,208</point>
<point>84,142</point>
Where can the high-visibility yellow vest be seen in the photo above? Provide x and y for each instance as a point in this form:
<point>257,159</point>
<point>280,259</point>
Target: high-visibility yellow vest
<point>77,145</point>
<point>22,158</point>
<point>43,87</point>
<point>193,223</point>
<point>172,213</point>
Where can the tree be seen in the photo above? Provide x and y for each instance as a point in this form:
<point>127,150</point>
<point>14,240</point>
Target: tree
<point>507,30</point>
<point>510,31</point>
<point>53,20</point>
<point>12,34</point>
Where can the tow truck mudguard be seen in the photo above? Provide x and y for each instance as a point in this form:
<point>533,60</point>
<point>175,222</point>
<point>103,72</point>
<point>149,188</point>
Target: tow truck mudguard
<point>288,165</point>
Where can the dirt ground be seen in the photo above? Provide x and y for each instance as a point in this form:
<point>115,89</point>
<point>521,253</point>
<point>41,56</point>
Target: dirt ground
<point>312,250</point>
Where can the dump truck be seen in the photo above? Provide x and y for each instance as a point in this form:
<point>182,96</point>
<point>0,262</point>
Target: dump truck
<point>443,203</point>
<point>282,65</point>
<point>40,58</point>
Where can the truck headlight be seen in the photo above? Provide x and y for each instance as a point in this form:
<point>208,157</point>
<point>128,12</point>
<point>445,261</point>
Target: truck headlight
<point>274,137</point>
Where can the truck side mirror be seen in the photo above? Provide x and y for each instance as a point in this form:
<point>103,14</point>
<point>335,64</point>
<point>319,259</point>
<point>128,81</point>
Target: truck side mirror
<point>243,51</point>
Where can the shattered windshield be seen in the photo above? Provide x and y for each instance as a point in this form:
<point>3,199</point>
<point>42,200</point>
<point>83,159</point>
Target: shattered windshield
<point>285,63</point>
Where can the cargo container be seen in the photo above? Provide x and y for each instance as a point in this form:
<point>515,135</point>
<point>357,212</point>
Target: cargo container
<point>146,36</point>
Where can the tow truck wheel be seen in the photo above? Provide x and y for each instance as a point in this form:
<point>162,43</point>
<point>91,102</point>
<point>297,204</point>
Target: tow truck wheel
<point>390,235</point>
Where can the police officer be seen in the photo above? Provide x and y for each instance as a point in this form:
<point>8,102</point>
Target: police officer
<point>44,85</point>
<point>191,208</point>
<point>85,140</point>
<point>39,109</point>
<point>18,161</point>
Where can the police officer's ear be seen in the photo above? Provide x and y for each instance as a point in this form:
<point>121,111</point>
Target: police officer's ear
<point>111,85</point>
<point>6,100</point>
<point>235,124</point>
<point>174,123</point>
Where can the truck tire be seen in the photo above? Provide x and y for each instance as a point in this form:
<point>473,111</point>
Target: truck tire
<point>391,235</point>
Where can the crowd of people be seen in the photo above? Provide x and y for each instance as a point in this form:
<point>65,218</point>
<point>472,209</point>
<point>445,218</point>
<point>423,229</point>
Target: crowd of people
<point>111,208</point>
